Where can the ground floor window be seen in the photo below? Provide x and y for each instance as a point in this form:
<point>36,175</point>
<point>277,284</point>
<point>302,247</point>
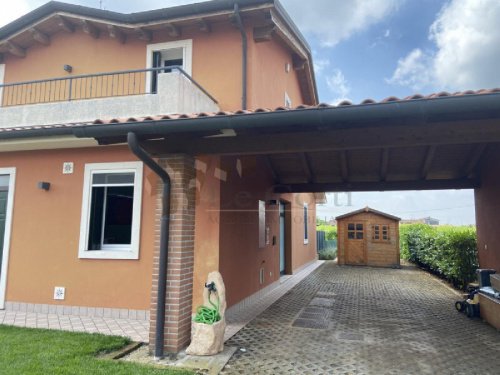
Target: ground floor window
<point>355,231</point>
<point>306,228</point>
<point>380,232</point>
<point>111,211</point>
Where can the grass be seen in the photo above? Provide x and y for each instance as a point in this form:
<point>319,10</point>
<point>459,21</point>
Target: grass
<point>37,351</point>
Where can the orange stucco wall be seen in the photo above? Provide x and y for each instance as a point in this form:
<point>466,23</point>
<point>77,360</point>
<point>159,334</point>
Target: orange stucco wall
<point>207,219</point>
<point>268,78</point>
<point>44,247</point>
<point>248,181</point>
<point>46,233</point>
<point>216,63</point>
<point>487,200</point>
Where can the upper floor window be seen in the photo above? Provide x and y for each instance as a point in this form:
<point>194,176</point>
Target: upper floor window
<point>288,101</point>
<point>168,55</point>
<point>111,211</point>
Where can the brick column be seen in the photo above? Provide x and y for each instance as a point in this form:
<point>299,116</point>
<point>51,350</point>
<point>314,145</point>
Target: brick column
<point>180,255</point>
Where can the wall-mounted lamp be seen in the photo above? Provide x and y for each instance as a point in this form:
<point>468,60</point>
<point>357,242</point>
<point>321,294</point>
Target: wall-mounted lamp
<point>44,185</point>
<point>68,68</point>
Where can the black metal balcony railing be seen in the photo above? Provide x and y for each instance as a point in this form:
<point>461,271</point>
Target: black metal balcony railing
<point>88,86</point>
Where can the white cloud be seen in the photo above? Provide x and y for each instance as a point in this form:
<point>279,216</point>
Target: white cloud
<point>12,10</point>
<point>332,21</point>
<point>413,70</point>
<point>320,64</point>
<point>338,86</point>
<point>466,35</point>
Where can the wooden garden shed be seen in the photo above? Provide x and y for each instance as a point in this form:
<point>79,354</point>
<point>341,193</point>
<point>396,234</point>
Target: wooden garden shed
<point>368,237</point>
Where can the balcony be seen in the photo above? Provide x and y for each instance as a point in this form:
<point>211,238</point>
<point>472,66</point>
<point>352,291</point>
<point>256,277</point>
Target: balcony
<point>131,93</point>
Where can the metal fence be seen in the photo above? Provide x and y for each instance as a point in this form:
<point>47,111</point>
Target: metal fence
<point>88,86</point>
<point>323,244</point>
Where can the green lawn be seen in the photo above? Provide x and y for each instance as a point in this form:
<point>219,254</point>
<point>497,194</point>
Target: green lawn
<point>37,351</point>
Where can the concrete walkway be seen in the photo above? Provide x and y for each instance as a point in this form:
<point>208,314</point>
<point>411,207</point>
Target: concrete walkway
<point>138,330</point>
<point>361,320</point>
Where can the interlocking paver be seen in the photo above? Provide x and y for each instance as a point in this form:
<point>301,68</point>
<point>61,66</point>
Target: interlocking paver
<point>381,321</point>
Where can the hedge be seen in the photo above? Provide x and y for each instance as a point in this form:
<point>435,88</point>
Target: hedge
<point>447,251</point>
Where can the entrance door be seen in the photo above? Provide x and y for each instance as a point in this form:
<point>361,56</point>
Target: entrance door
<point>6,197</point>
<point>4,192</point>
<point>355,243</point>
<point>282,240</point>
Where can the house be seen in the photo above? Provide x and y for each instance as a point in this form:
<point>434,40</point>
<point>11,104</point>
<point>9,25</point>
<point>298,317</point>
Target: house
<point>208,170</point>
<point>368,237</point>
<point>95,225</point>
<point>425,220</point>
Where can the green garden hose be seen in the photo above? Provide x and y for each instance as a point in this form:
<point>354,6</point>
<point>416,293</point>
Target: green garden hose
<point>208,315</point>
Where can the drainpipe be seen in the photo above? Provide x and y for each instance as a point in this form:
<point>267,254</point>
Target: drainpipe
<point>134,146</point>
<point>244,44</point>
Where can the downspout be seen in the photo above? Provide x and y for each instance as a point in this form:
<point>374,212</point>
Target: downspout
<point>134,146</point>
<point>244,47</point>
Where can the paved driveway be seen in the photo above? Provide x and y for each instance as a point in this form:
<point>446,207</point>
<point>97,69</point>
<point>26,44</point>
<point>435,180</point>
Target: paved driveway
<point>356,320</point>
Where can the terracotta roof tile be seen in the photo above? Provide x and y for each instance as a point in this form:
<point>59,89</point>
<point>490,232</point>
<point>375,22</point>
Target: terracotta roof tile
<point>121,120</point>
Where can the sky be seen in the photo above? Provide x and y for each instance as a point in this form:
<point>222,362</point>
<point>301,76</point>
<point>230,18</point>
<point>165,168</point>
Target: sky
<point>376,49</point>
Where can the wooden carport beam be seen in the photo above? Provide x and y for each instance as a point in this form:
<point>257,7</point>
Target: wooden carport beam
<point>426,166</point>
<point>306,165</point>
<point>384,164</point>
<point>116,33</point>
<point>379,186</point>
<point>269,163</point>
<point>64,24</point>
<point>344,166</point>
<point>473,160</point>
<point>90,29</point>
<point>336,140</point>
<point>40,37</point>
<point>15,50</point>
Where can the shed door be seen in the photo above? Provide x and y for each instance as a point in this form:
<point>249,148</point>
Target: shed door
<point>356,243</point>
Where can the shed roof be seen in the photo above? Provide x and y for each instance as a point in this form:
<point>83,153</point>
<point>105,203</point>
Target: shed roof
<point>368,210</point>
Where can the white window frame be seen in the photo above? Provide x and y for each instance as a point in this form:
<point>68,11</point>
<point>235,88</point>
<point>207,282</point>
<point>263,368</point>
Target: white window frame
<point>187,55</point>
<point>305,214</point>
<point>111,251</point>
<point>8,230</point>
<point>288,101</point>
<point>2,78</point>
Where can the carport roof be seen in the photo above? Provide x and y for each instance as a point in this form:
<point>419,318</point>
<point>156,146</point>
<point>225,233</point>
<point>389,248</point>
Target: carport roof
<point>416,143</point>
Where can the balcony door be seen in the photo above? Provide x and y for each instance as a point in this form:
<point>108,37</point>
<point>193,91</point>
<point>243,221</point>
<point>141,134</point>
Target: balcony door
<point>168,55</point>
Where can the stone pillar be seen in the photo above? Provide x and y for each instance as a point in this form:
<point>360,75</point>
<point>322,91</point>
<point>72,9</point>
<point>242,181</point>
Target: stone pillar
<point>180,255</point>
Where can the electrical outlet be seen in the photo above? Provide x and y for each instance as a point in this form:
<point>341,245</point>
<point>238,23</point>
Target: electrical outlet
<point>59,292</point>
<point>68,167</point>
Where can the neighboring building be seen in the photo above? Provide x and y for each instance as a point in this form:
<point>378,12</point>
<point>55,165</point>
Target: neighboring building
<point>368,237</point>
<point>81,214</point>
<point>426,220</point>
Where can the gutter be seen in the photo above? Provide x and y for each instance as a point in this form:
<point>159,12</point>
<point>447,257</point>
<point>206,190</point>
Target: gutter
<point>396,113</point>
<point>134,146</point>
<point>244,54</point>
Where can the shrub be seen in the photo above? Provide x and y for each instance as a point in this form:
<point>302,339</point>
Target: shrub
<point>447,251</point>
<point>330,231</point>
<point>327,254</point>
